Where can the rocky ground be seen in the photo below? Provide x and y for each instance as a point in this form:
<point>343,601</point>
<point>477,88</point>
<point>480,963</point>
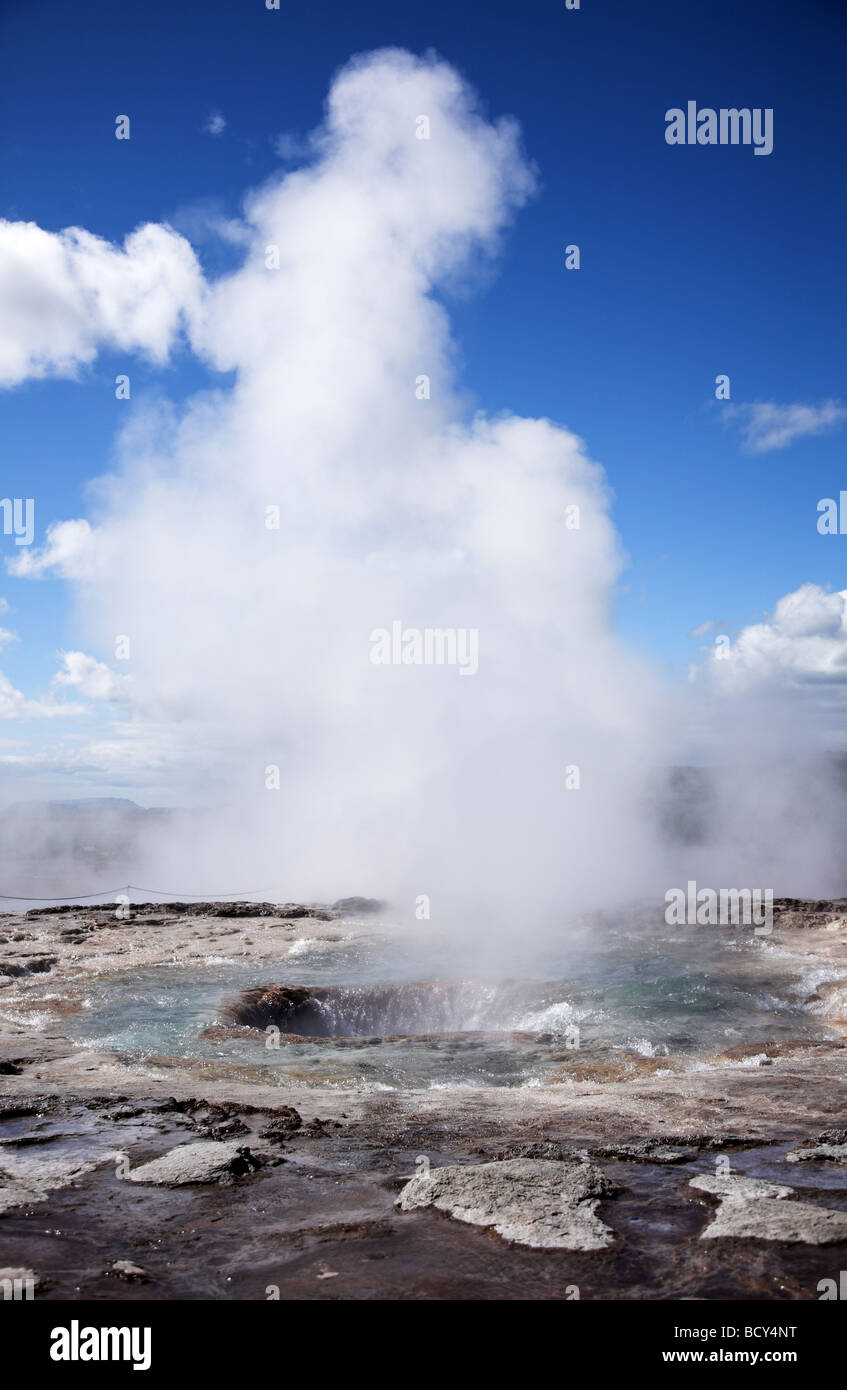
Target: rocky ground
<point>190,1181</point>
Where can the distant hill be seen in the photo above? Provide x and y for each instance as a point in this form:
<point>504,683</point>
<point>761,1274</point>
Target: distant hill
<point>85,803</point>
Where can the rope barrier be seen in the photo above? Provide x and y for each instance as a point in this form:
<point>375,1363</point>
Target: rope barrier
<point>129,888</point>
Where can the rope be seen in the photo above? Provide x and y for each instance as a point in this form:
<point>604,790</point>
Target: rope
<point>127,888</point>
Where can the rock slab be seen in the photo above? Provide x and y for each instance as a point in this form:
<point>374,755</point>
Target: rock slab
<point>757,1210</point>
<point>24,1180</point>
<point>835,1153</point>
<point>207,1160</point>
<point>537,1202</point>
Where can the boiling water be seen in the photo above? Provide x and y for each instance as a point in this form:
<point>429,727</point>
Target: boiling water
<point>618,996</point>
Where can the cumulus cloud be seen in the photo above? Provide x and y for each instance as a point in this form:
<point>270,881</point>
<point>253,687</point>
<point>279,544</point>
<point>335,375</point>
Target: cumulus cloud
<point>15,705</point>
<point>69,553</point>
<point>215,124</point>
<point>767,426</point>
<point>803,642</point>
<point>64,295</point>
<point>92,678</point>
<point>770,708</point>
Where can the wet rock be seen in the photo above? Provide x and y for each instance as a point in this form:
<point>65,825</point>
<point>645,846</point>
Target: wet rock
<point>211,1118</point>
<point>286,1121</point>
<point>18,1109</point>
<point>25,1141</point>
<point>28,965</point>
<point>646,1151</point>
<point>752,1209</point>
<point>219,1032</point>
<point>539,1148</point>
<point>804,913</point>
<point>836,1153</point>
<point>236,909</point>
<point>129,1272</point>
<point>319,1129</point>
<point>731,1185</point>
<point>764,1052</point>
<point>742,1052</point>
<point>294,911</point>
<point>544,1203</point>
<point>206,1160</point>
<point>25,1180</point>
<point>358,907</point>
<point>226,1129</point>
<point>623,1066</point>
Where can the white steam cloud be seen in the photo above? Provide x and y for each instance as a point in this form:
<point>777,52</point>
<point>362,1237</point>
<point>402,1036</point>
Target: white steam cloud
<point>507,798</point>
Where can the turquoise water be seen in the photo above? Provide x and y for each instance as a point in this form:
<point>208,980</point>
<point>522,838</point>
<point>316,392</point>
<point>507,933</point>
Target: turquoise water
<point>632,993</point>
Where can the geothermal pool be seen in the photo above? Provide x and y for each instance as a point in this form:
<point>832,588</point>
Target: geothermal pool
<point>615,1003</point>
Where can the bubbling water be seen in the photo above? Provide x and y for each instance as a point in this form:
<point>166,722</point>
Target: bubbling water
<point>414,1009</point>
<point>356,1014</point>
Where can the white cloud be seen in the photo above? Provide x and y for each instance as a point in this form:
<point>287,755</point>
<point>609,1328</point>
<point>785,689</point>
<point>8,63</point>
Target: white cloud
<point>767,426</point>
<point>69,552</point>
<point>7,636</point>
<point>15,705</point>
<point>215,124</point>
<point>92,678</point>
<point>804,643</point>
<point>64,295</point>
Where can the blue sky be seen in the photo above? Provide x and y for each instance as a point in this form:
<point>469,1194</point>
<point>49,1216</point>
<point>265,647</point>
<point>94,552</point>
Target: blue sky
<point>695,261</point>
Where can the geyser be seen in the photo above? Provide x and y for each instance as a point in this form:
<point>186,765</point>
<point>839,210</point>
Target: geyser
<point>500,760</point>
<point>412,1010</point>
